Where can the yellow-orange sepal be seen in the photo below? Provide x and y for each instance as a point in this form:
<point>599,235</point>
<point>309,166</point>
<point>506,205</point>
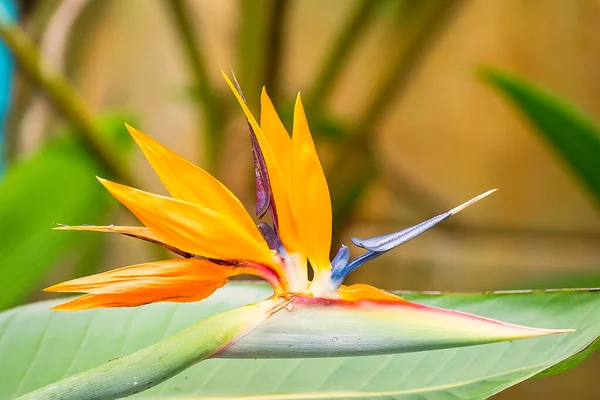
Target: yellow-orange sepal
<point>360,291</point>
<point>187,182</point>
<point>193,228</point>
<point>311,203</point>
<point>138,232</point>
<point>178,280</point>
<point>274,149</point>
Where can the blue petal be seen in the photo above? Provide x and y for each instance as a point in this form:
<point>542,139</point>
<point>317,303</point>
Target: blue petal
<point>341,258</point>
<point>338,274</point>
<point>379,245</point>
<point>387,242</point>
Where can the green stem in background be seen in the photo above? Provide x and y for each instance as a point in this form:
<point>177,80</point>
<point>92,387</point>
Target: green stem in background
<point>208,101</point>
<point>571,133</point>
<point>154,364</point>
<point>63,96</point>
<point>274,40</point>
<point>353,156</point>
<point>339,53</point>
<point>253,27</point>
<point>38,16</point>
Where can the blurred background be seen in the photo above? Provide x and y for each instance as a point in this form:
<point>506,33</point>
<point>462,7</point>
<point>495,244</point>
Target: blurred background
<point>405,121</point>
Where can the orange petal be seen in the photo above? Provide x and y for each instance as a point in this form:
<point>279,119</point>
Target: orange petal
<point>192,228</point>
<point>309,196</point>
<point>187,182</point>
<point>278,138</point>
<point>277,177</point>
<point>361,291</point>
<point>178,280</point>
<point>138,232</point>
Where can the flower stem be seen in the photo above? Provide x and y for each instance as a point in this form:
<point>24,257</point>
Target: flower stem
<point>338,55</point>
<point>63,96</point>
<point>276,31</point>
<point>251,47</point>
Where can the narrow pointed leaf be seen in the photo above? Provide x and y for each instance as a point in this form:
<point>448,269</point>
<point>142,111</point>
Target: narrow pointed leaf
<point>570,132</point>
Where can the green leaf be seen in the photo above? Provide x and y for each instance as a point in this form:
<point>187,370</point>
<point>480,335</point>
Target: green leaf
<point>42,346</point>
<point>148,367</point>
<point>570,132</point>
<point>56,185</point>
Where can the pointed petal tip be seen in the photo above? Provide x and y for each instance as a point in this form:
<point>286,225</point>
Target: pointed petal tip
<point>135,133</point>
<point>53,289</point>
<point>226,77</point>
<point>474,200</point>
<point>357,242</point>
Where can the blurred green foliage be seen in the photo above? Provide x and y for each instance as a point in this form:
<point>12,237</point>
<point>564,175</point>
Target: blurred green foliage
<point>569,132</point>
<point>55,185</point>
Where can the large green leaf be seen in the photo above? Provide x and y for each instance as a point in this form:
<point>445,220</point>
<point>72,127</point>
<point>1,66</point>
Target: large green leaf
<point>57,184</point>
<point>38,346</point>
<point>570,132</point>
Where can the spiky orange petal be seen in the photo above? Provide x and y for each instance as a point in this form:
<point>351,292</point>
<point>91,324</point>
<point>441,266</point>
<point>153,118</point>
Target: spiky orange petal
<point>187,182</point>
<point>192,228</point>
<point>179,280</point>
<point>277,178</point>
<point>360,291</point>
<point>311,203</point>
<point>138,232</point>
<point>278,138</point>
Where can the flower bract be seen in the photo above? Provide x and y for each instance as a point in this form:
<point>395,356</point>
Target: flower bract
<point>214,238</point>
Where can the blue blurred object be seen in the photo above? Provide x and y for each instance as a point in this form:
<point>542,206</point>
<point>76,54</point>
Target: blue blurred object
<point>8,14</point>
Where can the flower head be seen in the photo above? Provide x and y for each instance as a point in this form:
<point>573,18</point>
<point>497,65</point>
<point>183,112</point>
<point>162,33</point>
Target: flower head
<point>206,224</point>
<point>215,238</point>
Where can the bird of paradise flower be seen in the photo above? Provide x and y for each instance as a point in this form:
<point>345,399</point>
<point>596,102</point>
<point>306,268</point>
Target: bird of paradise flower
<point>208,227</point>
